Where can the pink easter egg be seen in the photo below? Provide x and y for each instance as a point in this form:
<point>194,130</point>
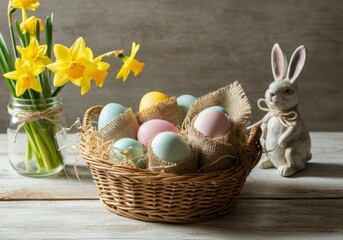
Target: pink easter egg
<point>153,127</point>
<point>212,123</point>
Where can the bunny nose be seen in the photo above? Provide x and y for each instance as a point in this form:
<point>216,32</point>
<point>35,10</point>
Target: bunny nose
<point>272,94</point>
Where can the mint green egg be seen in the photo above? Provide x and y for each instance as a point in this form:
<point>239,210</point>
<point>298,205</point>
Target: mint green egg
<point>219,108</point>
<point>184,102</point>
<point>131,147</point>
<point>170,147</point>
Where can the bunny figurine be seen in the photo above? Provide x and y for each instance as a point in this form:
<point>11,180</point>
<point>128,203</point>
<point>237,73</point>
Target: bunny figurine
<point>284,135</point>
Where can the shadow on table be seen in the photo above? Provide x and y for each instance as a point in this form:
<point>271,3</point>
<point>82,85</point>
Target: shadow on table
<point>327,170</point>
<point>272,219</point>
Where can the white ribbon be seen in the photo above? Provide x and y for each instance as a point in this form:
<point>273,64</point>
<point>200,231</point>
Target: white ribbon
<point>284,117</point>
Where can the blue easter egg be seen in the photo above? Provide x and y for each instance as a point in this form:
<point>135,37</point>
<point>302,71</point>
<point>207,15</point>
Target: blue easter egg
<point>109,112</point>
<point>218,108</point>
<point>184,102</point>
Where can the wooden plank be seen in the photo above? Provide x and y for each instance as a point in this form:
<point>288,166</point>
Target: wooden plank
<point>65,186</point>
<point>260,219</point>
<point>322,178</point>
<point>195,47</point>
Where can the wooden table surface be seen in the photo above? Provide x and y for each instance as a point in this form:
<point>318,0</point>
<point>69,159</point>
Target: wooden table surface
<point>306,206</point>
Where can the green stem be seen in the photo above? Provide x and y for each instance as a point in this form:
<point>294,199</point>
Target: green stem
<point>42,149</point>
<point>57,91</point>
<point>53,149</point>
<point>30,137</point>
<point>28,150</point>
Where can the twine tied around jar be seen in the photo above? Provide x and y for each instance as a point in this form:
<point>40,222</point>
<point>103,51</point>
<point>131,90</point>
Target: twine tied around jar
<point>284,117</point>
<point>25,117</point>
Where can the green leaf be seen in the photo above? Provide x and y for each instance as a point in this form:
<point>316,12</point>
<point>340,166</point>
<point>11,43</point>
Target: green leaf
<point>38,31</point>
<point>43,80</point>
<point>6,54</point>
<point>20,34</point>
<point>5,69</point>
<point>48,35</point>
<point>14,44</point>
<point>27,39</point>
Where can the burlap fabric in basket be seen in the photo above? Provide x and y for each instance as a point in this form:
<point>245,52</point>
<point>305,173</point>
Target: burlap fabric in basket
<point>188,165</point>
<point>221,152</point>
<point>166,110</point>
<point>231,97</point>
<point>167,197</point>
<point>124,125</point>
<point>214,153</point>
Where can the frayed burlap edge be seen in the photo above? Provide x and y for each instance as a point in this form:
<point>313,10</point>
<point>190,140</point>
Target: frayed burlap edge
<point>188,165</point>
<point>166,110</point>
<point>123,126</point>
<point>214,154</point>
<point>231,97</point>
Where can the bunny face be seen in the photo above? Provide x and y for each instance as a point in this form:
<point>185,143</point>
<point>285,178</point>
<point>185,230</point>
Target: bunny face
<point>282,95</point>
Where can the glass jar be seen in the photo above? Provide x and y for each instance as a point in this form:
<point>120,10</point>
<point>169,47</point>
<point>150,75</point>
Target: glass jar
<point>35,134</point>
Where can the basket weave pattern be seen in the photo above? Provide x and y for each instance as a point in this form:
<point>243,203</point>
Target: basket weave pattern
<point>169,197</point>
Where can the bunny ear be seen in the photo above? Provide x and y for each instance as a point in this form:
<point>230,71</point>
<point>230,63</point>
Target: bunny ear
<point>296,64</point>
<point>279,62</point>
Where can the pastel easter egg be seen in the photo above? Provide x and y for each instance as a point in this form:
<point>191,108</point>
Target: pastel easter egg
<point>131,147</point>
<point>170,147</point>
<point>184,102</point>
<point>152,127</point>
<point>219,108</point>
<point>212,123</point>
<point>109,112</point>
<point>151,98</point>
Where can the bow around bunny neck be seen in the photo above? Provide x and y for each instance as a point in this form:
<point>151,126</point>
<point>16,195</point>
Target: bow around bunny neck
<point>285,117</point>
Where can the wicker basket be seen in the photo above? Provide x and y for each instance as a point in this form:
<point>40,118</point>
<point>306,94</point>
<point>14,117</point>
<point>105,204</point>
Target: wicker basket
<point>169,197</point>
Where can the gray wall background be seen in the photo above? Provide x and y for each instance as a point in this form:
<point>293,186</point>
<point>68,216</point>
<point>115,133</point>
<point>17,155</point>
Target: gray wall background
<point>196,46</point>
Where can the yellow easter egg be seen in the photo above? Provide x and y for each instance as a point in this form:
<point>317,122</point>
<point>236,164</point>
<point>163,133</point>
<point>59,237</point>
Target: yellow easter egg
<point>151,98</point>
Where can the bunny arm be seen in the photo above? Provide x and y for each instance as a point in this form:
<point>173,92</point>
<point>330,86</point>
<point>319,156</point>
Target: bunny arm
<point>264,124</point>
<point>286,138</point>
<point>264,130</point>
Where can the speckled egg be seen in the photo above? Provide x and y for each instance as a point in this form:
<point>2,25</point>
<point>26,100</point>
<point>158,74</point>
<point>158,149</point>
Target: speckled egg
<point>152,127</point>
<point>151,98</point>
<point>109,112</point>
<point>212,123</point>
<point>170,147</point>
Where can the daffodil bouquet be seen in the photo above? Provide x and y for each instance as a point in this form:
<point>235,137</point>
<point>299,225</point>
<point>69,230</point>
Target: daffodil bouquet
<point>31,74</point>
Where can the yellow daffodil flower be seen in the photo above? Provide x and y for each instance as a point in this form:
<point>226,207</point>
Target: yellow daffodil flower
<point>130,64</point>
<point>25,75</point>
<point>29,25</point>
<point>34,53</point>
<point>73,64</point>
<point>24,5</point>
<point>100,74</point>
